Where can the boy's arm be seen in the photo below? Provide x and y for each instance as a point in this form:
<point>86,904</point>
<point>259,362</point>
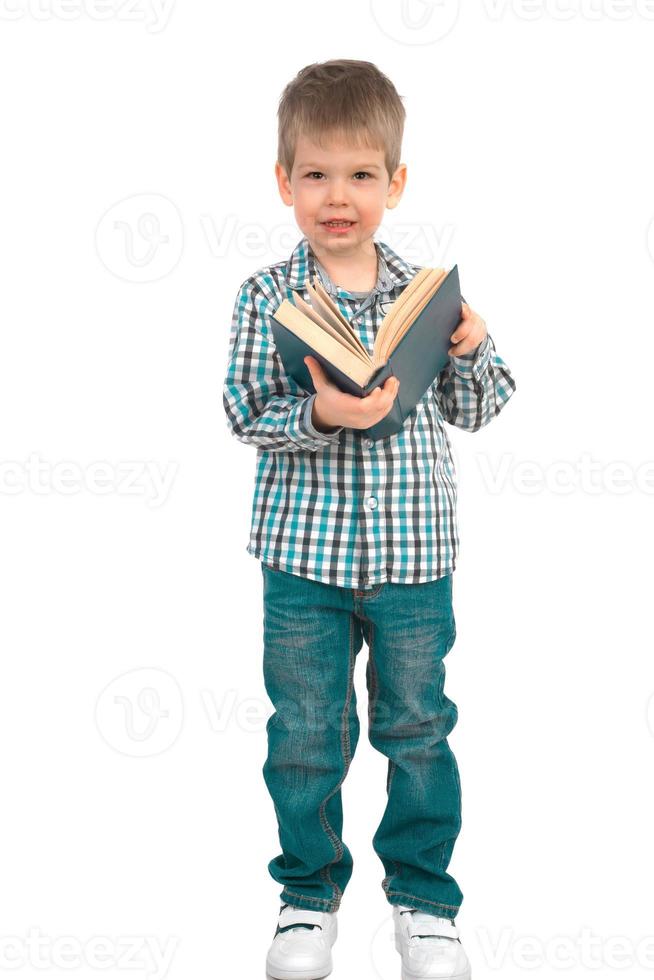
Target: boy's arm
<point>264,406</point>
<point>474,387</point>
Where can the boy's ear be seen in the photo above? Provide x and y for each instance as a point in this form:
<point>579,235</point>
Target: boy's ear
<point>283,183</point>
<point>396,186</point>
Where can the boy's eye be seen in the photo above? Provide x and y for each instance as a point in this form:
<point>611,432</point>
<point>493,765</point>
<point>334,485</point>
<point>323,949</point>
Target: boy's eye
<point>313,173</point>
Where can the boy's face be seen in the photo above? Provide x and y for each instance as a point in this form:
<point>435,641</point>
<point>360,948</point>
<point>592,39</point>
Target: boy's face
<point>339,181</point>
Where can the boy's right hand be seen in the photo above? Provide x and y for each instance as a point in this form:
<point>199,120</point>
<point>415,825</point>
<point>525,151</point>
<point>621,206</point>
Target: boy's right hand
<point>333,407</point>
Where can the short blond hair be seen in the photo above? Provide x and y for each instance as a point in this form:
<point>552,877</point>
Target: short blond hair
<point>352,99</point>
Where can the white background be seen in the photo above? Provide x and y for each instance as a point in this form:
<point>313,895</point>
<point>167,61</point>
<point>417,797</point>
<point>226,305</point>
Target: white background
<point>138,192</point>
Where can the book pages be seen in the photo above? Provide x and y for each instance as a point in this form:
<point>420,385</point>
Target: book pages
<point>342,336</point>
<point>395,315</point>
<point>414,307</point>
<point>329,312</point>
<point>326,343</point>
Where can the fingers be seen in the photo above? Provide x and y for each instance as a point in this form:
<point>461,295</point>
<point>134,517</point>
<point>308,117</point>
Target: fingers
<point>469,333</point>
<point>463,346</point>
<point>458,339</point>
<point>466,323</point>
<point>390,387</point>
<point>318,376</point>
<point>466,329</point>
<point>465,326</point>
<point>361,412</point>
<point>381,398</point>
<point>470,342</point>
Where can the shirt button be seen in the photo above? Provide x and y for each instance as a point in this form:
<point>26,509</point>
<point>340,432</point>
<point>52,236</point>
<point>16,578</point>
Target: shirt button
<point>370,443</point>
<point>372,502</point>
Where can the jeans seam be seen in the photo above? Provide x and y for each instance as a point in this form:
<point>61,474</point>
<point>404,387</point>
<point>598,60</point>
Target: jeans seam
<point>345,751</point>
<point>362,594</point>
<point>417,898</point>
<point>391,764</point>
<point>374,693</point>
<point>309,898</point>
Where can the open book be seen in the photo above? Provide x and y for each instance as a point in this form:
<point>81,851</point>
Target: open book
<point>411,343</point>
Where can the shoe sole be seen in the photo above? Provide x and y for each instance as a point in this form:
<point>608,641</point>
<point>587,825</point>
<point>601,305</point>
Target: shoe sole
<point>417,976</point>
<point>407,975</point>
<point>279,974</point>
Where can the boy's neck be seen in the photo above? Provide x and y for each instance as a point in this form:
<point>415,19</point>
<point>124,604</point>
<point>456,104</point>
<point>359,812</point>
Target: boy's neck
<point>357,272</point>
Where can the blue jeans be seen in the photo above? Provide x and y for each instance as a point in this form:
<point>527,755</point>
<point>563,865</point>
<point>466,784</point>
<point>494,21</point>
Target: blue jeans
<point>312,634</point>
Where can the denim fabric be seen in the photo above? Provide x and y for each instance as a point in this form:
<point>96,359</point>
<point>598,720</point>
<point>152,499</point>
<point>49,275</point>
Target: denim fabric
<point>312,634</point>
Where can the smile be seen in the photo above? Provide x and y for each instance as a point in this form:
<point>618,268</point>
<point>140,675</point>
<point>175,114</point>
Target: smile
<point>337,225</point>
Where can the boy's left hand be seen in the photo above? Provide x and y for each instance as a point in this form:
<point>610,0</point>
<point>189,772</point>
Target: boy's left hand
<point>469,333</point>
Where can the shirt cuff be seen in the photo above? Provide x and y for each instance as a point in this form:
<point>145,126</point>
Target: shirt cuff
<point>309,428</point>
<point>474,363</point>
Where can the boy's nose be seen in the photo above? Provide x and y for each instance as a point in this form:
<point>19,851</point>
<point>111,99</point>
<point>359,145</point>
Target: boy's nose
<point>336,194</point>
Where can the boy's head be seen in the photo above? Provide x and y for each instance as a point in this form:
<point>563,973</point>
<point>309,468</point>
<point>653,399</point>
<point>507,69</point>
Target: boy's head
<point>339,146</point>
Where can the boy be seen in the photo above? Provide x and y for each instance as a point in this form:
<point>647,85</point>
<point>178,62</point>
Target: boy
<point>357,539</point>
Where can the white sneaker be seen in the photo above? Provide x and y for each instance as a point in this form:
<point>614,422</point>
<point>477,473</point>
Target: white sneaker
<point>429,946</point>
<point>303,952</point>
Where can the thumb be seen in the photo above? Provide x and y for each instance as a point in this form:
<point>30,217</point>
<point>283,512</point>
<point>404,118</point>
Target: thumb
<point>318,376</point>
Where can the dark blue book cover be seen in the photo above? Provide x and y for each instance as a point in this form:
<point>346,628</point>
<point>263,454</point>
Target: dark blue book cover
<point>417,360</point>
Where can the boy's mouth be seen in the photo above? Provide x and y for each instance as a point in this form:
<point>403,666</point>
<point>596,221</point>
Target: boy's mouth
<point>335,225</point>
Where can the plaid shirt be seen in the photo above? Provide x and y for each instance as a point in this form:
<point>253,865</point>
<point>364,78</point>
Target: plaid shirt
<point>339,507</point>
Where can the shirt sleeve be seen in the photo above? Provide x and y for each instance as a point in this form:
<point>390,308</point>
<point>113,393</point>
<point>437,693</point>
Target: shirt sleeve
<point>264,406</point>
<point>474,387</point>
<point>309,424</point>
